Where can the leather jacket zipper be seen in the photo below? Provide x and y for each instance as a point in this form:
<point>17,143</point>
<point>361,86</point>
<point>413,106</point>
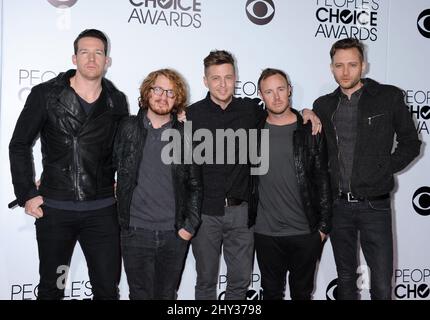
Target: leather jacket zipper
<point>76,167</point>
<point>373,117</point>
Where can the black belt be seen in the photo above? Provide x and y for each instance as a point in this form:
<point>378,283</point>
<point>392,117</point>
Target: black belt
<point>350,198</point>
<point>230,202</point>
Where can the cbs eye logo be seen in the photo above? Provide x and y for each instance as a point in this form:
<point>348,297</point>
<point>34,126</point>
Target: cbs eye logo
<point>423,23</point>
<point>421,201</point>
<point>331,292</point>
<point>260,12</point>
<point>62,3</point>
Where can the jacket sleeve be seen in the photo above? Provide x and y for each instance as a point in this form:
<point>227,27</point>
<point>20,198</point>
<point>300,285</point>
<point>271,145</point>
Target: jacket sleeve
<point>260,111</point>
<point>117,145</point>
<point>124,105</point>
<point>124,116</point>
<point>28,127</point>
<point>194,200</point>
<point>408,144</point>
<point>322,180</point>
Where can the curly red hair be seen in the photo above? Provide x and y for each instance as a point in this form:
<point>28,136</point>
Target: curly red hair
<point>180,88</point>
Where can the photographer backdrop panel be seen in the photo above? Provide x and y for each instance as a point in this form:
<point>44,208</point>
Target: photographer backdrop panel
<point>292,35</point>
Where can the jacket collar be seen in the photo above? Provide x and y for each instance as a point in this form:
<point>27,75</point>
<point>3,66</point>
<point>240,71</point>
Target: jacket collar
<point>70,102</point>
<point>300,125</point>
<point>214,105</point>
<point>141,114</point>
<point>370,86</point>
<point>63,80</point>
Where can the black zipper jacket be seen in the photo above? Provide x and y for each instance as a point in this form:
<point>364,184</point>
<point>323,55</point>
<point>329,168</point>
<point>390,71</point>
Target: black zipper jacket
<point>310,159</point>
<point>187,181</point>
<point>76,148</point>
<point>382,114</point>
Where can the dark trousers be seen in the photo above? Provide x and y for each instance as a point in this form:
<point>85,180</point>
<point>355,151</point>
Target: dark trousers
<point>296,254</point>
<point>230,232</point>
<point>98,234</point>
<point>373,220</point>
<point>153,262</point>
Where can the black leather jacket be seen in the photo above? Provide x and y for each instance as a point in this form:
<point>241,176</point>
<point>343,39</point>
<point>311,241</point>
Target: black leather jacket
<point>187,181</point>
<point>382,113</point>
<point>76,149</point>
<point>310,159</point>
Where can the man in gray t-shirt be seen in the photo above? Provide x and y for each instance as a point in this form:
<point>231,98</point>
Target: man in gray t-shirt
<point>293,211</point>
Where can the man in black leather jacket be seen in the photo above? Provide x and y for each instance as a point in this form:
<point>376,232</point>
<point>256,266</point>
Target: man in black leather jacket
<point>159,197</point>
<point>360,119</point>
<point>76,115</point>
<point>293,199</point>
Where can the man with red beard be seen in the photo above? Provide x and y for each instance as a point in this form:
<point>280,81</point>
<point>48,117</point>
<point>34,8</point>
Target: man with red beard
<point>76,115</point>
<point>158,202</point>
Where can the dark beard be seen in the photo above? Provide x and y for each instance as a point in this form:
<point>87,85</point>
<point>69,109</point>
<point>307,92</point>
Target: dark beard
<point>352,85</point>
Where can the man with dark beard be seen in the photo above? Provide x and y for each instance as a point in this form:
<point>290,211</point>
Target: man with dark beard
<point>158,202</point>
<point>361,118</point>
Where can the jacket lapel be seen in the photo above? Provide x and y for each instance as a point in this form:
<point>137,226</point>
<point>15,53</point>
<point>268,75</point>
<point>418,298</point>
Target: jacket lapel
<point>69,102</point>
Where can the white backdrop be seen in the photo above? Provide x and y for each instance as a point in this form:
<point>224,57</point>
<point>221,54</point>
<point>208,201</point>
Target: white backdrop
<point>37,43</point>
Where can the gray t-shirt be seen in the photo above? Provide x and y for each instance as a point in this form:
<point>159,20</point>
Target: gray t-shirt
<point>153,201</point>
<point>280,208</point>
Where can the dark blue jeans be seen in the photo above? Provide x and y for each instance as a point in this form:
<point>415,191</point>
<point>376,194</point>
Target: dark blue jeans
<point>153,262</point>
<point>372,219</point>
<point>98,234</point>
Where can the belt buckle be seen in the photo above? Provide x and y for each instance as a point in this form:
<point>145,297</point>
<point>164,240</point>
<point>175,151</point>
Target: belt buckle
<point>351,197</point>
<point>225,202</point>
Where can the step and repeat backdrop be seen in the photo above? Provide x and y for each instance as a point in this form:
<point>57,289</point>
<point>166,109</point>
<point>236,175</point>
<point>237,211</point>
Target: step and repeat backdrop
<point>37,43</point>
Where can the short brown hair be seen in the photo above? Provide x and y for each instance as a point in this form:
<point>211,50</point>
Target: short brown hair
<point>179,87</point>
<point>91,33</point>
<point>217,57</point>
<point>347,43</point>
<point>268,72</point>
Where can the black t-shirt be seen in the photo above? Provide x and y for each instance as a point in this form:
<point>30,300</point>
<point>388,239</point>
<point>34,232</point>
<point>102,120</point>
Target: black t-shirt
<point>221,180</point>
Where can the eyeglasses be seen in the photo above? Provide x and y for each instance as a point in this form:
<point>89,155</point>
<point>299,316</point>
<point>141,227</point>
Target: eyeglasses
<point>159,92</point>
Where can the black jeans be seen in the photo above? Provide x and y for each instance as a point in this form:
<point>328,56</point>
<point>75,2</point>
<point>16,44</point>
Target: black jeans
<point>296,254</point>
<point>373,220</point>
<point>153,262</point>
<point>98,234</point>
